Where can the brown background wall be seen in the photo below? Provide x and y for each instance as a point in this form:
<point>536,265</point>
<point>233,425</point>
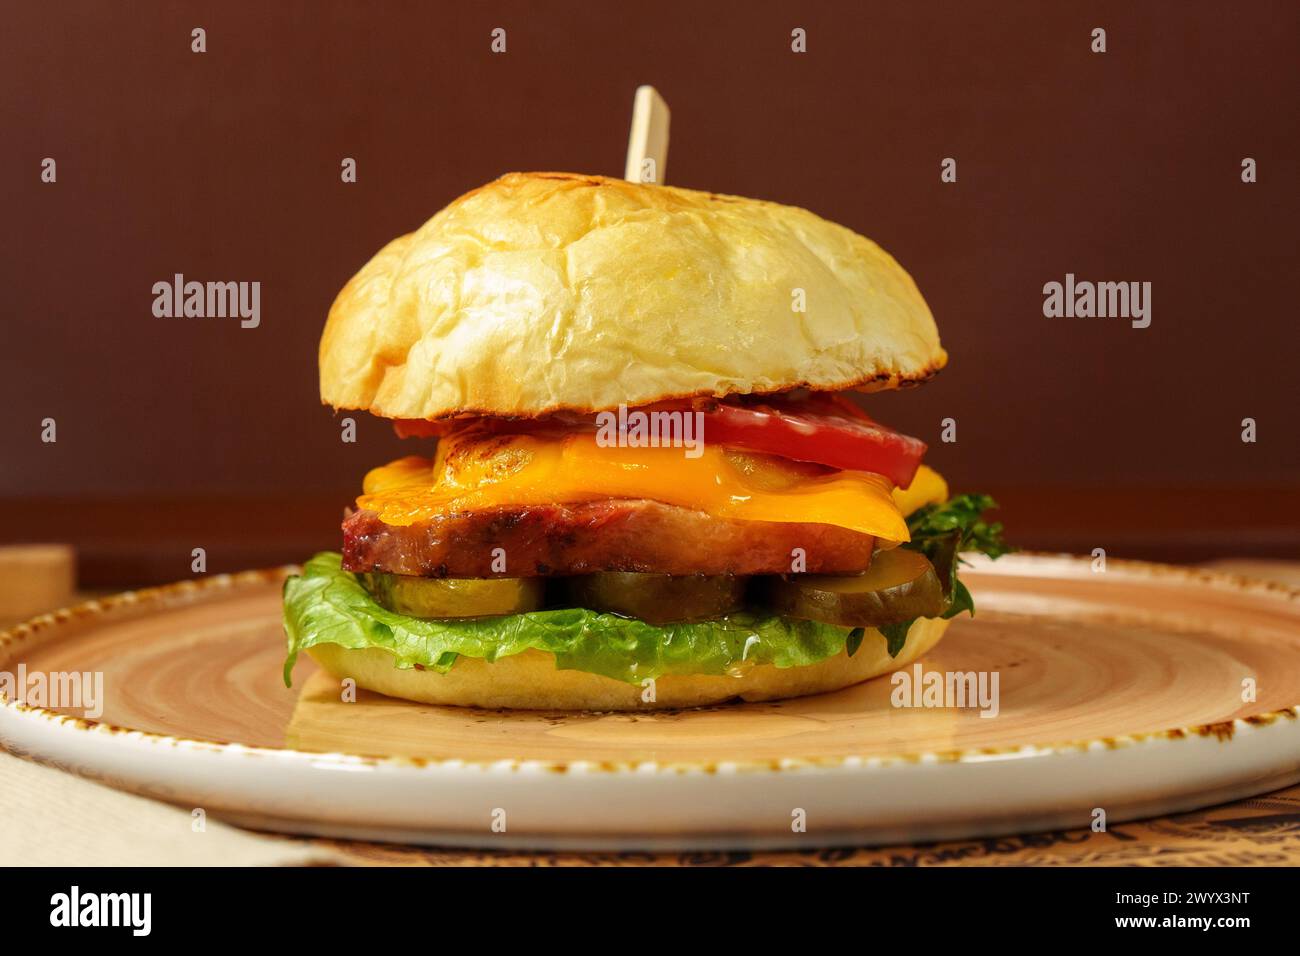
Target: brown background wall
<point>225,166</point>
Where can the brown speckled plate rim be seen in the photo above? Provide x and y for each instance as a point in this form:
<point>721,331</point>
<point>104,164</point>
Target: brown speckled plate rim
<point>183,590</point>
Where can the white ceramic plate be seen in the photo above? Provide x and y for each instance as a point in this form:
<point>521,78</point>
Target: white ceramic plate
<point>1125,692</point>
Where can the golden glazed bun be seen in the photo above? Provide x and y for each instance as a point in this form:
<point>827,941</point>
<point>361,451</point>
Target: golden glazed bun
<point>549,291</point>
<point>530,681</point>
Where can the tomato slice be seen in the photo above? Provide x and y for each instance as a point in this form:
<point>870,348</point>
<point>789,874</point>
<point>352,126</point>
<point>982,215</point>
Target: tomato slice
<point>826,429</point>
<point>559,423</point>
<point>418,428</point>
<point>823,428</point>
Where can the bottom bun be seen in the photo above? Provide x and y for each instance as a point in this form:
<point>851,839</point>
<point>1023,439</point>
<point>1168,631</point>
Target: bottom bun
<point>531,681</point>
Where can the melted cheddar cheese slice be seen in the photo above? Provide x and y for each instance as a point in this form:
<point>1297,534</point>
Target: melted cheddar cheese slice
<point>927,488</point>
<point>476,470</point>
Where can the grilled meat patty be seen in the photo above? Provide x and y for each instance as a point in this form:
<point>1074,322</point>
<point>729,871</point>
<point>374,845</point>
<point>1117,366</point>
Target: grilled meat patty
<point>605,535</point>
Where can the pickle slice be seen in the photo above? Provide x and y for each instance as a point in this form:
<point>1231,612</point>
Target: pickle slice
<point>658,598</point>
<point>454,597</point>
<point>900,585</point>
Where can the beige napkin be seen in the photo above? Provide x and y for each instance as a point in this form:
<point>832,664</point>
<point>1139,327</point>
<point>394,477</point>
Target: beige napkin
<point>52,818</point>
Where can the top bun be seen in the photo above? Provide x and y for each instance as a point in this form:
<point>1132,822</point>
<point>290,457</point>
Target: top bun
<point>543,292</point>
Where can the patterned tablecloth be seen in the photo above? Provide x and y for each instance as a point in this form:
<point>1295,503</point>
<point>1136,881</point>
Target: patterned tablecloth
<point>1263,831</point>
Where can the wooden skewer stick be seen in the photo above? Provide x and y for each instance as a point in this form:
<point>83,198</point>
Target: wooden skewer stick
<point>647,146</point>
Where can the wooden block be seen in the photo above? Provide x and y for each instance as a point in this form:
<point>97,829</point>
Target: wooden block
<point>35,578</point>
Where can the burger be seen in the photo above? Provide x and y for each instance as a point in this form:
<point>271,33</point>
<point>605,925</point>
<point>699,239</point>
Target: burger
<point>640,479</point>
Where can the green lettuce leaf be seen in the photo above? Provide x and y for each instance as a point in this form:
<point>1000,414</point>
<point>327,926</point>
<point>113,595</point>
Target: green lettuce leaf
<point>327,605</point>
<point>942,532</point>
<point>962,516</point>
